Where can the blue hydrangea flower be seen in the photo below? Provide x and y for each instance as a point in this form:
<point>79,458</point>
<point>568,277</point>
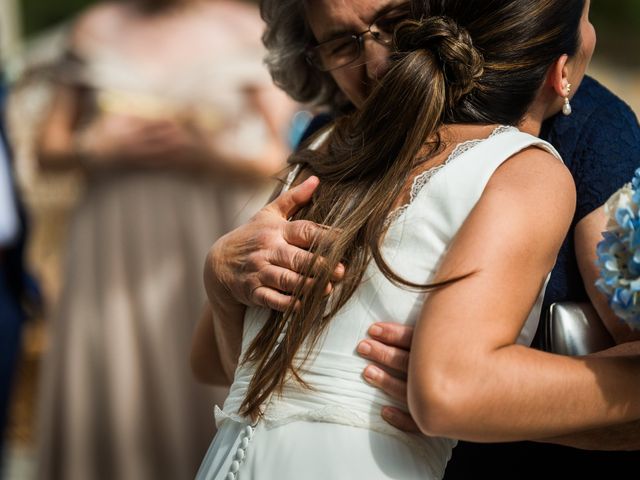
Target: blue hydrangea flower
<point>619,253</point>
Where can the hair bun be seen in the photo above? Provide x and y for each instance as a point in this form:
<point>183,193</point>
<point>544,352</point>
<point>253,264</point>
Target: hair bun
<point>451,44</point>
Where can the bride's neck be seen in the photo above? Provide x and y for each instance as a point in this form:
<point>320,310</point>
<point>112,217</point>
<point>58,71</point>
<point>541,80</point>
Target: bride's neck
<point>544,106</point>
<point>459,133</point>
<point>531,124</point>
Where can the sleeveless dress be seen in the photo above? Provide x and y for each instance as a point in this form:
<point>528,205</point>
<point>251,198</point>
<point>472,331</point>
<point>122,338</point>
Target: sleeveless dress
<point>335,430</point>
<point>118,398</point>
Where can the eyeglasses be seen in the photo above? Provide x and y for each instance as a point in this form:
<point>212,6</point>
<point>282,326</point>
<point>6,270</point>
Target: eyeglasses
<point>346,49</point>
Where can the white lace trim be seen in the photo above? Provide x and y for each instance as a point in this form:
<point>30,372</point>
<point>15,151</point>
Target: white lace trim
<point>431,448</point>
<point>420,180</point>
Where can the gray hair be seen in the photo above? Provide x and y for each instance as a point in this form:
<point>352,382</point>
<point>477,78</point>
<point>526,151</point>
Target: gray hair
<point>286,37</point>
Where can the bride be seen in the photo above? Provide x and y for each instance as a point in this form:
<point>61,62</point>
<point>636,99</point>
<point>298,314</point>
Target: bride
<point>455,191</point>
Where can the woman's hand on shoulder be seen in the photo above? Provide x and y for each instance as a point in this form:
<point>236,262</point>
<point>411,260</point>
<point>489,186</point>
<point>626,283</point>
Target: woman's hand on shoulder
<point>259,263</point>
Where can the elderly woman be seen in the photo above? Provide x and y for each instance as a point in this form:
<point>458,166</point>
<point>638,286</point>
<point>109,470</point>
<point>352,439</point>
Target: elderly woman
<point>258,263</point>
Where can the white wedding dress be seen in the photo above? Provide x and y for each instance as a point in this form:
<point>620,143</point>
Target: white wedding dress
<point>335,431</point>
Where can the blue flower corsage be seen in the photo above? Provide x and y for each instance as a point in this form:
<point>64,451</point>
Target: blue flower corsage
<point>619,253</point>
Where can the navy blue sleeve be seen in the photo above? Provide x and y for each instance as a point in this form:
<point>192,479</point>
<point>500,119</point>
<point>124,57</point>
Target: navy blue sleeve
<point>599,143</point>
<point>607,155</point>
<point>315,124</point>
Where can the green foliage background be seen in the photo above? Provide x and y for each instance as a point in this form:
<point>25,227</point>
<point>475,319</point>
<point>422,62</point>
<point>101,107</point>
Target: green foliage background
<point>617,22</point>
<point>38,15</point>
<point>618,25</point>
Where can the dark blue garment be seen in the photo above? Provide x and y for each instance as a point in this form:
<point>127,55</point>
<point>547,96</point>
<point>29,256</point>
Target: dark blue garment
<point>11,317</point>
<point>12,278</point>
<point>315,124</point>
<point>600,144</point>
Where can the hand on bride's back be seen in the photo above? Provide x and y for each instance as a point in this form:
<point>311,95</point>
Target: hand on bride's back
<point>388,348</point>
<point>259,263</point>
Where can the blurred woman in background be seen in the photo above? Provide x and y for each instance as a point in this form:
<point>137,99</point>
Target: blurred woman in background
<point>166,108</point>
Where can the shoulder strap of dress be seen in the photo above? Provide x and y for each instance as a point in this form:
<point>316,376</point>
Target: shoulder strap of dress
<point>526,140</point>
<point>512,141</point>
<point>472,170</point>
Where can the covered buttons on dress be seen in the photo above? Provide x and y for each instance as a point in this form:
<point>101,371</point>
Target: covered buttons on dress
<point>241,452</point>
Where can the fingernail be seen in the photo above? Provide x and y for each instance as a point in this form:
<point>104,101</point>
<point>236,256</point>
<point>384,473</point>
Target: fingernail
<point>364,348</point>
<point>388,413</point>
<point>371,373</point>
<point>312,178</point>
<point>375,331</point>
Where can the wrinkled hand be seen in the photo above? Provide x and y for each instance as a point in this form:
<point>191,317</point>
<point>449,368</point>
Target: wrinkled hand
<point>389,347</point>
<point>258,264</point>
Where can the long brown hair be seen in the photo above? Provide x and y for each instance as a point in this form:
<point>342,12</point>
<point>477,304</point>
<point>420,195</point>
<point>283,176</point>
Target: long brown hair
<point>459,61</point>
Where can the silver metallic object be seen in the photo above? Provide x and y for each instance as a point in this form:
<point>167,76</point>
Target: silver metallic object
<point>572,328</point>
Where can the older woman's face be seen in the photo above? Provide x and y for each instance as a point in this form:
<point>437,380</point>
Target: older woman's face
<point>329,19</point>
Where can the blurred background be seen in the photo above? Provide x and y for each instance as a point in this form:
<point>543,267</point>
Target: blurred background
<point>34,36</point>
<point>142,130</point>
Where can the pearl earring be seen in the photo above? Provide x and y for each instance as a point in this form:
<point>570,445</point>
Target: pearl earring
<point>566,108</point>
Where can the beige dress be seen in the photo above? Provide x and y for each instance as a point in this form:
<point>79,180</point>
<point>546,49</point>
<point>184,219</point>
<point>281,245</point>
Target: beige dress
<point>118,398</point>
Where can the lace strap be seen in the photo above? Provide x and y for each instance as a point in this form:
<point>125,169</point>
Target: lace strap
<point>422,179</point>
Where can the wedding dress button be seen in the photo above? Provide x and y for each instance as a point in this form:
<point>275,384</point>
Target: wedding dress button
<point>240,454</point>
<point>235,466</point>
<point>248,431</point>
<point>244,443</point>
<point>230,476</point>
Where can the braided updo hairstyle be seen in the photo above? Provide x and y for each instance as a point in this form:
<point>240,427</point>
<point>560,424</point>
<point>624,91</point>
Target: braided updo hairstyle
<point>456,61</point>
